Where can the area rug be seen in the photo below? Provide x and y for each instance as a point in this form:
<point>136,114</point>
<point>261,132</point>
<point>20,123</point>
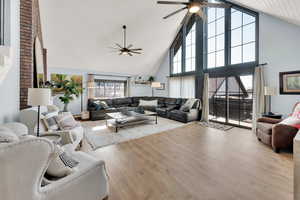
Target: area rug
<point>98,135</point>
<point>215,125</point>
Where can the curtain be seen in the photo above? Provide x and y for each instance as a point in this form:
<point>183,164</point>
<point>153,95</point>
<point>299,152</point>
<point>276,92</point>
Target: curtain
<point>188,87</point>
<point>182,87</point>
<point>128,87</point>
<point>258,96</point>
<point>91,86</point>
<point>205,99</point>
<point>174,87</point>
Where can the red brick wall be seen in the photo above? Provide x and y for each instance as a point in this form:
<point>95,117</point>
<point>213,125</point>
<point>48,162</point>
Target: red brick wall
<point>26,50</point>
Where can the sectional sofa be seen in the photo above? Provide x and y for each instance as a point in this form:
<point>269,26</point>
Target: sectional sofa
<point>167,107</point>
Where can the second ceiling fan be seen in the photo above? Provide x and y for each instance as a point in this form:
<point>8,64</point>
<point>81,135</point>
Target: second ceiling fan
<point>193,7</point>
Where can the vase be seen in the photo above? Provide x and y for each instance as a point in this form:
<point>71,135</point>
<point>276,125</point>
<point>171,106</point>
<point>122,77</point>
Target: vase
<point>66,107</point>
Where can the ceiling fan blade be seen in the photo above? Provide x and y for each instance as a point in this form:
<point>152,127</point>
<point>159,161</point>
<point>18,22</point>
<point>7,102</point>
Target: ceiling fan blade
<point>129,46</point>
<point>129,53</point>
<point>119,46</point>
<point>216,5</point>
<point>186,18</point>
<point>136,49</point>
<point>201,14</point>
<point>173,2</point>
<point>114,48</point>
<point>135,52</point>
<point>174,13</point>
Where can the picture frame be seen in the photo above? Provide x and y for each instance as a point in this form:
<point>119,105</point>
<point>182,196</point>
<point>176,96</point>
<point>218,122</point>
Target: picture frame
<point>163,86</point>
<point>289,83</point>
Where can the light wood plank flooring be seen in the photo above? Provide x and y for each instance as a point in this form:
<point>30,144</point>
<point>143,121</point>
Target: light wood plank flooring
<point>194,162</point>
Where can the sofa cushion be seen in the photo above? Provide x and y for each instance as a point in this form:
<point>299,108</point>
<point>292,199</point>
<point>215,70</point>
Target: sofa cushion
<point>265,127</point>
<point>7,135</point>
<point>171,101</point>
<point>153,103</point>
<point>122,102</point>
<point>66,121</point>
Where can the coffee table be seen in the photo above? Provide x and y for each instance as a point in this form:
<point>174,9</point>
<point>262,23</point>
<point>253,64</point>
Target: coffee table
<point>129,118</point>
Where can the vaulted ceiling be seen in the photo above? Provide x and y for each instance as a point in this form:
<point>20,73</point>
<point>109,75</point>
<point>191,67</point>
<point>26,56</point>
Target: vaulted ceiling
<point>78,33</point>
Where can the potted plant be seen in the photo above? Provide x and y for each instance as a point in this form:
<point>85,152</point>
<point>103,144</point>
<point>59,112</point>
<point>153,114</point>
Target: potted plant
<point>69,89</point>
<point>151,79</point>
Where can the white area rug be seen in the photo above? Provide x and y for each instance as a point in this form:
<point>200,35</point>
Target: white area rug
<point>98,135</point>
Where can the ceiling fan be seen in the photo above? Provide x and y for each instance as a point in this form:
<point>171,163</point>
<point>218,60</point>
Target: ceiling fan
<point>193,7</point>
<point>126,50</point>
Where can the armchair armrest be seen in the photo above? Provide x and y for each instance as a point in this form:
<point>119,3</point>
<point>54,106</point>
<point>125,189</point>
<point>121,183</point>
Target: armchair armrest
<point>283,135</point>
<point>88,183</point>
<point>18,128</point>
<point>269,120</point>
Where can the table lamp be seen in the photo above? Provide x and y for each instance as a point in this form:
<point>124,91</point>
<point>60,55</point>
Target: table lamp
<point>39,97</point>
<point>155,85</point>
<point>269,92</point>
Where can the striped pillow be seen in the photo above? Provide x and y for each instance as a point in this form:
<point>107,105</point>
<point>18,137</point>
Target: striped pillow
<point>66,121</point>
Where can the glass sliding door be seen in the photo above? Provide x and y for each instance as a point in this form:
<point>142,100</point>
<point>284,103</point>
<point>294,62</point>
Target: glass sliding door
<point>230,100</point>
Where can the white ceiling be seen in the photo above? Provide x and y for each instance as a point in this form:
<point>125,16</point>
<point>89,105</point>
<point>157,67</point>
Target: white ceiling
<point>288,10</point>
<point>78,33</point>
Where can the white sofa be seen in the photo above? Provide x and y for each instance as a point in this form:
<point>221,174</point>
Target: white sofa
<point>24,163</point>
<point>29,118</point>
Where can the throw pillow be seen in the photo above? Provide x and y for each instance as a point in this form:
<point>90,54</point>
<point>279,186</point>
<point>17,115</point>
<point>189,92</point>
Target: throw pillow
<point>144,103</point>
<point>103,104</point>
<point>188,105</point>
<point>291,121</point>
<point>50,122</point>
<point>7,136</point>
<point>296,112</point>
<point>62,164</point>
<point>66,121</point>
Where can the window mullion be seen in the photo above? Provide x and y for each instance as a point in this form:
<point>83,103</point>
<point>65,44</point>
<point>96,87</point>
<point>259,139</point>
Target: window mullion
<point>183,49</point>
<point>227,44</point>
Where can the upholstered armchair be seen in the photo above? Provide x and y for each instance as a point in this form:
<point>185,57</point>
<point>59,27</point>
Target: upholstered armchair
<point>275,134</point>
<point>29,118</point>
<point>24,163</point>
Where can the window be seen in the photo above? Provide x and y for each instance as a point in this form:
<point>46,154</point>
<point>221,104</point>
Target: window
<point>243,37</point>
<point>182,87</point>
<point>177,64</point>
<point>110,89</point>
<point>190,50</point>
<point>215,37</point>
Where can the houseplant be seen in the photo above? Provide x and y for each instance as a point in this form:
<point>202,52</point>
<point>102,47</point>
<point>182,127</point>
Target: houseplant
<point>70,89</point>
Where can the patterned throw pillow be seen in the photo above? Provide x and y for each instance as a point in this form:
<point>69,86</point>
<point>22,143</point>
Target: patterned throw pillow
<point>62,164</point>
<point>50,122</point>
<point>66,121</point>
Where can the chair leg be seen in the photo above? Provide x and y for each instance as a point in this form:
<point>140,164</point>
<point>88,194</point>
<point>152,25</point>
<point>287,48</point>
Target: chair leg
<point>105,198</point>
<point>276,150</point>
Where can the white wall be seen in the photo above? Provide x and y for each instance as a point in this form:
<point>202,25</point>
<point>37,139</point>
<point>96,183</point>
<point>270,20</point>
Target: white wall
<point>162,76</point>
<point>280,48</point>
<point>9,88</point>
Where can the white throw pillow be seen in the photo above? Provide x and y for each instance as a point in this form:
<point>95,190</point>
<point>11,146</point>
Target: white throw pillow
<point>7,136</point>
<point>62,165</point>
<point>153,103</point>
<point>50,122</point>
<point>296,112</point>
<point>291,121</point>
<point>66,121</point>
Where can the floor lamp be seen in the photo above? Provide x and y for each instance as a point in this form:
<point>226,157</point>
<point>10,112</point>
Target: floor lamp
<point>269,92</point>
<point>39,97</point>
<point>155,85</point>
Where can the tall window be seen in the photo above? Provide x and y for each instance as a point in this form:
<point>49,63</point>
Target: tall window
<point>182,87</point>
<point>177,64</point>
<point>110,89</point>
<point>190,49</point>
<point>215,37</point>
<point>243,37</point>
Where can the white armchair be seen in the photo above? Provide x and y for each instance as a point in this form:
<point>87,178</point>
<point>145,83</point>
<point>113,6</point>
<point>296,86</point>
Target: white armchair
<point>24,163</point>
<point>29,118</point>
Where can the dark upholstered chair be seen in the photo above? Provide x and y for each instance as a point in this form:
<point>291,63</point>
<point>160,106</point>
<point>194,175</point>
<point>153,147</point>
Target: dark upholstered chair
<point>278,136</point>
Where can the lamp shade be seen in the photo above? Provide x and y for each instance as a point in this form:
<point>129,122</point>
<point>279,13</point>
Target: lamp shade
<point>270,91</point>
<point>156,85</point>
<point>39,96</point>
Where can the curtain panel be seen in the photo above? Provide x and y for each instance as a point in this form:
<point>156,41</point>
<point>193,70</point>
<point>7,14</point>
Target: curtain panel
<point>182,87</point>
<point>258,96</point>
<point>205,99</point>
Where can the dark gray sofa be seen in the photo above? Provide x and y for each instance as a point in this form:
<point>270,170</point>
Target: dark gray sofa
<point>167,108</point>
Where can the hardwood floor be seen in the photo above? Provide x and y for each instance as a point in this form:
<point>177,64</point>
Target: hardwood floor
<point>194,162</point>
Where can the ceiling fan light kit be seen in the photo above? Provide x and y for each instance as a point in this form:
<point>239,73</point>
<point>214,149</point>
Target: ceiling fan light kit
<point>194,7</point>
<point>126,50</point>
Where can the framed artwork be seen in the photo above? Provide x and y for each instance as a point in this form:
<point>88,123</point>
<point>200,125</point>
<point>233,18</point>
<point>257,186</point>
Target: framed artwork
<point>290,82</point>
<point>61,77</point>
<point>163,86</point>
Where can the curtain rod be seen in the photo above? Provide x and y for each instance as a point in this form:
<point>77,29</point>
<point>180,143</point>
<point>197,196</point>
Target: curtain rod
<point>263,64</point>
<point>110,75</point>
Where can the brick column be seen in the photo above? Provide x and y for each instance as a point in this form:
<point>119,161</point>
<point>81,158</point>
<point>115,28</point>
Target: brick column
<point>26,50</point>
